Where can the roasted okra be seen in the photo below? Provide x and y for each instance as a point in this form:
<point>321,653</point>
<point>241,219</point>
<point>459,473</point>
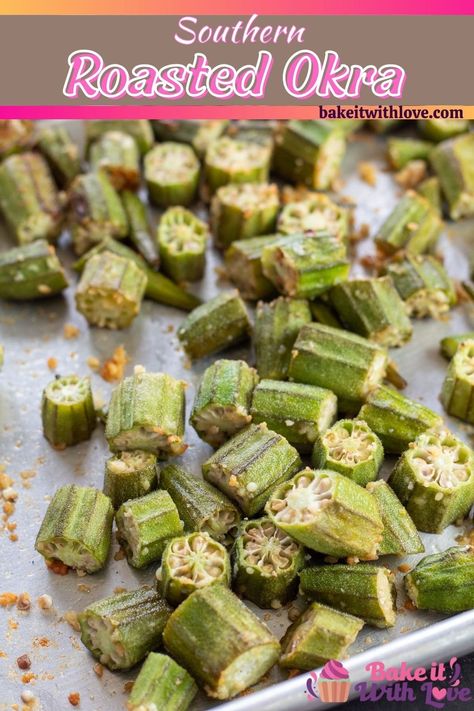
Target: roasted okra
<point>140,232</point>
<point>15,136</point>
<point>182,238</point>
<point>139,129</point>
<point>423,284</point>
<point>32,271</point>
<point>243,262</point>
<point>232,161</point>
<point>315,213</point>
<point>61,152</point>
<point>67,411</point>
<point>171,174</point>
<point>457,393</point>
<point>199,134</point>
<point>413,225</point>
<point>129,475</point>
<point>117,154</point>
<point>243,210</point>
<point>162,685</point>
<point>400,536</point>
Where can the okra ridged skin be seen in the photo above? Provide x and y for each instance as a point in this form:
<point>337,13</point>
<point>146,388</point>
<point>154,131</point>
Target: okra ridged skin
<point>452,162</point>
<point>67,411</point>
<point>233,161</point>
<point>162,685</point>
<point>277,325</point>
<point>182,239</point>
<point>139,129</point>
<point>441,129</point>
<point>220,642</point>
<point>243,262</point>
<point>171,172</point>
<point>243,210</point>
<point>29,199</point>
<point>320,634</point>
<point>110,291</point>
<point>400,151</point>
<point>328,513</point>
<point>423,284</point>
<point>350,448</point>
<point>140,232</point>
<point>309,152</point>
<point>444,581</point>
<point>145,525</point>
<point>15,136</point>
<point>364,590</point>
<point>32,271</point>
<point>266,563</point>
<point>249,466</point>
<point>373,309</point>
<point>147,412</point>
<point>449,345</point>
<point>434,480</point>
<point>62,154</point>
<point>77,528</point>
<point>117,154</point>
<point>201,506</point>
<point>347,364</point>
<point>413,225</point>
<point>430,189</point>
<point>457,392</point>
<point>218,324</point>
<point>382,126</point>
<point>298,412</point>
<point>397,419</point>
<point>222,404</point>
<point>129,475</point>
<point>315,213</point>
<point>323,313</point>
<point>400,536</point>
<point>122,629</point>
<point>199,134</point>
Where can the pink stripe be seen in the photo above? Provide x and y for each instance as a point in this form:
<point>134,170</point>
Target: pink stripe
<point>156,112</point>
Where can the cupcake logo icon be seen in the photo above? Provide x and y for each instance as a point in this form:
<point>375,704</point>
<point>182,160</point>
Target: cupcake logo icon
<point>334,683</point>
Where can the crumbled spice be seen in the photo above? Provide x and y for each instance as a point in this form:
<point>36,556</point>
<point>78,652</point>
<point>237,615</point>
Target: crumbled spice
<point>404,568</point>
<point>119,590</point>
<point>23,602</point>
<point>74,698</point>
<point>367,173</point>
<point>41,642</point>
<point>70,616</point>
<point>127,687</point>
<point>45,602</point>
<point>93,363</point>
<point>82,587</point>
<point>24,662</point>
<point>29,676</point>
<point>12,624</point>
<point>233,481</point>
<point>99,670</point>
<point>8,599</point>
<point>52,363</point>
<point>362,233</point>
<point>408,605</point>
<point>113,368</point>
<point>412,174</point>
<point>5,481</point>
<point>120,554</point>
<point>27,697</point>
<point>70,331</point>
<point>57,566</point>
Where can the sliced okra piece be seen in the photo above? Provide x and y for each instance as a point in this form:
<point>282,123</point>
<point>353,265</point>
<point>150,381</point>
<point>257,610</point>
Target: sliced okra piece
<point>139,129</point>
<point>382,126</point>
<point>95,211</point>
<point>423,284</point>
<point>401,151</point>
<point>201,506</point>
<point>457,393</point>
<point>220,642</point>
<point>374,309</point>
<point>315,213</point>
<point>232,161</point>
<point>140,231</point>
<point>430,189</point>
<point>129,475</point>
<point>367,591</point>
<point>250,465</point>
<point>162,684</point>
<point>67,411</point>
<point>190,563</point>
<point>243,262</point>
<point>347,364</point>
<point>452,162</point>
<point>29,199</point>
<point>147,412</point>
<point>350,448</point>
<point>322,312</point>
<point>32,271</point>
<point>444,581</point>
<point>145,525</point>
<point>400,536</point>
<point>397,419</point>
<point>441,129</point>
<point>277,325</point>
<point>320,634</point>
<point>347,126</point>
<point>450,344</point>
<point>171,174</point>
<point>77,528</point>
<point>266,563</point>
<point>214,326</point>
<point>222,404</point>
<point>243,210</point>
<point>309,152</point>
<point>255,131</point>
<point>117,154</point>
<point>413,225</point>
<point>434,479</point>
<point>199,134</point>
<point>182,239</point>
<point>15,136</point>
<point>298,412</point>
<point>61,152</point>
<point>122,629</point>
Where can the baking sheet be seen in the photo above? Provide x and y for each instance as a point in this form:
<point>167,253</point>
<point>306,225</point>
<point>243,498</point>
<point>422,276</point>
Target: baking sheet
<point>32,333</point>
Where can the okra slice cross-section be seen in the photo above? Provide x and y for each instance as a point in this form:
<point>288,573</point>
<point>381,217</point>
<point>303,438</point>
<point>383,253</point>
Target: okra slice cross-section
<point>32,271</point>
<point>423,284</point>
<point>232,161</point>
<point>316,213</point>
<point>171,174</point>
<point>457,393</point>
<point>162,685</point>
<point>243,210</point>
<point>67,411</point>
<point>182,239</point>
<point>129,475</point>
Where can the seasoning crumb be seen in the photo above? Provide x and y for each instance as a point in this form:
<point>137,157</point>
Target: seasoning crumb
<point>56,566</point>
<point>8,599</point>
<point>99,670</point>
<point>52,363</point>
<point>74,698</point>
<point>27,696</point>
<point>404,568</point>
<point>23,602</point>
<point>113,368</point>
<point>45,602</point>
<point>10,494</point>
<point>412,174</point>
<point>70,331</point>
<point>70,616</point>
<point>82,587</point>
<point>23,662</point>
<point>127,687</point>
<point>93,363</point>
<point>367,173</point>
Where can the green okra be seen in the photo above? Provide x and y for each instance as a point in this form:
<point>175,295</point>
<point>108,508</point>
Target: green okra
<point>367,591</point>
<point>192,562</point>
<point>397,419</point>
<point>171,173</point>
<point>243,262</point>
<point>243,210</point>
<point>147,412</point>
<point>413,225</point>
<point>182,239</point>
<point>434,479</point>
<point>95,211</point>
<point>452,162</point>
<point>232,161</point>
<point>161,684</point>
<point>450,344</point>
<point>457,392</point>
<point>315,213</point>
<point>222,404</point>
<point>347,364</point>
<point>116,153</point>
<point>298,412</point>
<point>400,536</point>
<point>277,325</point>
<point>145,525</point>
<point>322,312</point>
<point>250,465</point>
<point>266,563</point>
<point>444,581</point>
<point>430,189</point>
<point>122,629</point>
<point>129,475</point>
<point>67,411</point>
<point>110,291</point>
<point>328,513</point>
<point>254,131</point>
<point>350,448</point>
<point>220,642</point>
<point>77,528</point>
<point>139,129</point>
<point>29,199</point>
<point>61,152</point>
<point>441,129</point>
<point>320,634</point>
<point>214,326</point>
<point>382,126</point>
<point>201,506</point>
<point>400,151</point>
<point>347,126</point>
<point>32,271</point>
<point>423,284</point>
<point>15,136</point>
<point>140,231</point>
<point>199,134</point>
<point>309,152</point>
